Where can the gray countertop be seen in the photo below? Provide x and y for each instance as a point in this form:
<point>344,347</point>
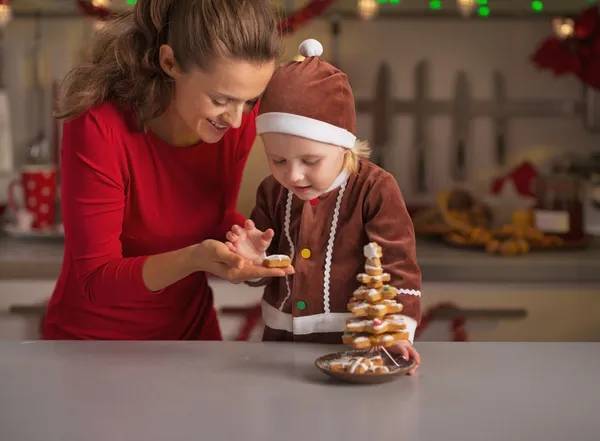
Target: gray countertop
<point>191,391</point>
<point>30,259</point>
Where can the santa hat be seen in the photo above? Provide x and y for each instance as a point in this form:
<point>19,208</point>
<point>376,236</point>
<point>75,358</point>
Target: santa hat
<point>311,99</point>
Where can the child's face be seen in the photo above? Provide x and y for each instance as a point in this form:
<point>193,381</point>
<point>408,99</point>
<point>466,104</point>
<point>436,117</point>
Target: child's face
<point>303,166</point>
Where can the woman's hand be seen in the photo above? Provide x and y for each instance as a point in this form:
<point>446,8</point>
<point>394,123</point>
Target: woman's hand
<point>249,242</point>
<point>216,258</point>
<point>404,348</point>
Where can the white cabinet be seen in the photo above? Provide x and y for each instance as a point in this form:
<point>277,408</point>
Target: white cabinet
<point>22,293</point>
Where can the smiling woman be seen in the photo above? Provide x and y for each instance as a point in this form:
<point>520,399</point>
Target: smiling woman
<point>159,124</point>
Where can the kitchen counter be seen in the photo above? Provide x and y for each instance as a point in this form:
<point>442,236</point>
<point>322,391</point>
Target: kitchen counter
<point>29,259</point>
<point>190,391</point>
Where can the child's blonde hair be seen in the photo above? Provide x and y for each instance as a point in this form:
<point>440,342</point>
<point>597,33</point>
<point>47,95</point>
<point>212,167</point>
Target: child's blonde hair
<point>361,149</point>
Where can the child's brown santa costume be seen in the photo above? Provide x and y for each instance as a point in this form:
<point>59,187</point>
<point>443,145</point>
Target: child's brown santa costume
<point>325,237</point>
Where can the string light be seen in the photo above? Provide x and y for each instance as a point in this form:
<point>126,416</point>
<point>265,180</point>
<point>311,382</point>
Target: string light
<point>466,7</point>
<point>101,3</point>
<point>5,13</point>
<point>436,5</point>
<point>563,27</point>
<point>537,5</point>
<point>367,9</point>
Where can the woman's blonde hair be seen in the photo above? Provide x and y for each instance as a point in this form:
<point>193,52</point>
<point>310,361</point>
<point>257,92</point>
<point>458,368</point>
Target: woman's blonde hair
<point>123,64</point>
<point>361,149</point>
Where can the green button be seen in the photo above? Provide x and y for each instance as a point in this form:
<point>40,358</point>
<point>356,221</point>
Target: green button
<point>301,305</point>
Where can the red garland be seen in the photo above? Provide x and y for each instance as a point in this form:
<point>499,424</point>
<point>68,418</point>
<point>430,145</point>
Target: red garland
<point>578,55</point>
<point>458,324</point>
<point>287,25</point>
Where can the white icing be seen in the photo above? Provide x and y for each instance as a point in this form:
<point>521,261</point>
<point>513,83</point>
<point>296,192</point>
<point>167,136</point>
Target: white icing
<point>356,364</point>
<point>387,338</point>
<point>371,267</point>
<point>360,339</point>
<point>278,257</point>
<point>380,306</point>
<point>373,293</point>
<point>370,251</point>
<point>365,276</point>
<point>368,364</point>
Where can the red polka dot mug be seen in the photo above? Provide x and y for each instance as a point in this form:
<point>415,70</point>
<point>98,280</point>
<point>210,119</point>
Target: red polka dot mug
<point>38,205</point>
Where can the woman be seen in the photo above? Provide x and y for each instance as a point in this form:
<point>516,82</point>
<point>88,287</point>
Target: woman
<point>159,126</point>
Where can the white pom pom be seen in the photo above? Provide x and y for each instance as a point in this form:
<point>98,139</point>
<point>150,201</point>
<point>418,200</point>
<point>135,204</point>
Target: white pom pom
<point>310,48</point>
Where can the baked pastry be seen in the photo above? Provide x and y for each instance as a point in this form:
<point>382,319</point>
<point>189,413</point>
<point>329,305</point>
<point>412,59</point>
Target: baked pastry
<point>373,281</point>
<point>390,323</point>
<point>359,365</point>
<point>277,261</point>
<point>374,307</point>
<point>364,340</point>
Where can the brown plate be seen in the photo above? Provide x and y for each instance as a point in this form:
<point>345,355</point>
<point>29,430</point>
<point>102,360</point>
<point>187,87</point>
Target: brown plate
<point>405,365</point>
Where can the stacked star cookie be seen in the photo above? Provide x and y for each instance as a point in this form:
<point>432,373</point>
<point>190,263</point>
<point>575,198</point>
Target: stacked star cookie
<point>376,320</point>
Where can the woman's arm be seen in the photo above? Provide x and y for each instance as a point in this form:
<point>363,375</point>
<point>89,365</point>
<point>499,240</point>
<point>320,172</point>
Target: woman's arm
<point>388,223</point>
<point>94,181</point>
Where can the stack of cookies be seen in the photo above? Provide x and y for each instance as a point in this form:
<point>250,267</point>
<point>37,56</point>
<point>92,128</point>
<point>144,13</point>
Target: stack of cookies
<point>376,321</point>
<point>359,365</point>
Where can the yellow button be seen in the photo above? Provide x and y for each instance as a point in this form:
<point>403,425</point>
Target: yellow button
<point>305,253</point>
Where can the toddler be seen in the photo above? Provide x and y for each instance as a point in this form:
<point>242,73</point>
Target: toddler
<point>323,202</point>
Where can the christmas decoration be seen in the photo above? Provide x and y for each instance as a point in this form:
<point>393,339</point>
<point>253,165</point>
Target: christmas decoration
<point>367,9</point>
<point>574,49</point>
<point>5,13</point>
<point>100,9</point>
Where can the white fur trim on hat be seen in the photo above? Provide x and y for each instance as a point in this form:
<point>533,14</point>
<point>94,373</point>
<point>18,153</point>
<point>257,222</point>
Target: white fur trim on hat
<point>310,48</point>
<point>304,127</point>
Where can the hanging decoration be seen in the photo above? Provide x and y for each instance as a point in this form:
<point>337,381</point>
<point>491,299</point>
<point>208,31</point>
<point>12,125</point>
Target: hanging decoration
<point>574,49</point>
<point>100,9</point>
<point>5,13</point>
<point>466,7</point>
<point>367,9</point>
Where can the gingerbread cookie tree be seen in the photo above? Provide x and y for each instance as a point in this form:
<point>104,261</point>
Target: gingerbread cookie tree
<point>376,322</point>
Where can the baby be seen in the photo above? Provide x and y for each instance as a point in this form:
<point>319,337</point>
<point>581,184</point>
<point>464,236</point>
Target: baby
<point>322,204</point>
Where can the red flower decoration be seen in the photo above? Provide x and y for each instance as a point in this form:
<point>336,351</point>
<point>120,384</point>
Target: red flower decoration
<point>577,55</point>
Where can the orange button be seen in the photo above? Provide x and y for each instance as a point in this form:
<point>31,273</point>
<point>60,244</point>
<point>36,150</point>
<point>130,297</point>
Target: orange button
<point>305,253</point>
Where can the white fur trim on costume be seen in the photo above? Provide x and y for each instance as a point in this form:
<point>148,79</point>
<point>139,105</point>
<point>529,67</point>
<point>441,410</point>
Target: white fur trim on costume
<point>410,292</point>
<point>341,179</point>
<point>329,252</point>
<point>310,324</point>
<point>286,227</point>
<point>310,48</point>
<point>304,127</point>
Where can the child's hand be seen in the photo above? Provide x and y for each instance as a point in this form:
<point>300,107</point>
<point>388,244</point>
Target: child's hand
<point>249,242</point>
<point>404,348</point>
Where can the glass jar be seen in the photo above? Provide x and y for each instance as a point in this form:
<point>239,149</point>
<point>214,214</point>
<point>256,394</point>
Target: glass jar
<point>559,208</point>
